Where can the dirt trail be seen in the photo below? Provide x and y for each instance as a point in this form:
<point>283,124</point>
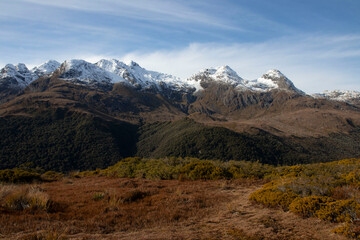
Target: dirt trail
<point>173,210</point>
<point>237,219</point>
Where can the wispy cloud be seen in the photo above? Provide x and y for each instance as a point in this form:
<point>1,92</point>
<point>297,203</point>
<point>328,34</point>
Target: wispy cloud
<point>180,36</point>
<point>156,10</point>
<point>314,64</point>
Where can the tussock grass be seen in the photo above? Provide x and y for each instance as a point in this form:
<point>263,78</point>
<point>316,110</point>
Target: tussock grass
<point>18,197</point>
<point>98,196</point>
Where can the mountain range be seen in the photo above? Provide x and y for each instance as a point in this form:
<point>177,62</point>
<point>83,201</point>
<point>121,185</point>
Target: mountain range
<point>80,115</point>
<point>114,71</point>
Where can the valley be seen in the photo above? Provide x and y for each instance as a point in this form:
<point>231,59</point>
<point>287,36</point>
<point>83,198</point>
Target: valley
<point>82,116</point>
<point>114,151</point>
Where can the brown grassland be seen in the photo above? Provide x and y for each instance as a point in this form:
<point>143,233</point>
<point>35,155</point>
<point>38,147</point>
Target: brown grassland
<point>101,207</point>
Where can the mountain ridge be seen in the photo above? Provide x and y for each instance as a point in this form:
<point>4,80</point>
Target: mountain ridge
<point>111,71</point>
<point>215,114</point>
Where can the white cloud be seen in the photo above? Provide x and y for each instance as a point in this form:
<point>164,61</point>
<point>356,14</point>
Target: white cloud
<point>156,10</point>
<point>314,64</point>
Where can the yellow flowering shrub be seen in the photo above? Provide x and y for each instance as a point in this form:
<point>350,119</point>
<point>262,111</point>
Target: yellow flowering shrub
<point>339,211</point>
<point>308,206</point>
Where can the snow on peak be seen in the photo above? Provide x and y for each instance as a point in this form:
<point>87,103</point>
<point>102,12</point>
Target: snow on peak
<point>17,76</point>
<point>339,95</point>
<point>227,74</point>
<point>46,68</point>
<point>113,71</point>
<point>271,80</point>
<point>8,68</point>
<point>77,69</point>
<point>21,68</point>
<point>274,73</point>
<point>134,64</point>
<point>140,77</point>
<point>223,74</point>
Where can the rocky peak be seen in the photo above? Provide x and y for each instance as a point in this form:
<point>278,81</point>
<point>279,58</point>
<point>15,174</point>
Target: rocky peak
<point>222,75</point>
<point>46,68</point>
<point>352,97</point>
<point>17,76</point>
<point>273,80</point>
<point>86,72</point>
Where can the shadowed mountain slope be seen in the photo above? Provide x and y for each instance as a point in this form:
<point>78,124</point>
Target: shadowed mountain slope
<point>84,116</point>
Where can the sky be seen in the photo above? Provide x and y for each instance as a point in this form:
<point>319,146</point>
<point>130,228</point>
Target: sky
<point>315,43</point>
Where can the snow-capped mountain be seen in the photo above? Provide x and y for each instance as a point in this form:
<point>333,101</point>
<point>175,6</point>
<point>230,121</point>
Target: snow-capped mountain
<point>114,71</point>
<point>87,73</point>
<point>223,74</point>
<point>271,80</point>
<point>18,76</point>
<point>46,68</point>
<point>132,74</point>
<point>339,95</point>
<point>140,77</point>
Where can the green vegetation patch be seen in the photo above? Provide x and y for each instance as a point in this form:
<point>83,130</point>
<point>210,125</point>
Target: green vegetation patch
<point>18,176</point>
<point>183,168</point>
<point>329,191</point>
<point>61,140</point>
<point>187,138</point>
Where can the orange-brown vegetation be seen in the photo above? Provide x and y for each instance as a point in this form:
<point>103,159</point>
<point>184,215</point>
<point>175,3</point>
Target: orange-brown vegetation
<point>100,207</point>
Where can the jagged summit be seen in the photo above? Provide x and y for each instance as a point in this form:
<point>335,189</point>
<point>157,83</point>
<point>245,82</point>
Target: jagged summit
<point>339,95</point>
<point>46,68</point>
<point>140,77</point>
<point>110,71</point>
<point>16,76</point>
<point>86,72</point>
<point>271,80</point>
<point>274,73</point>
<point>223,74</point>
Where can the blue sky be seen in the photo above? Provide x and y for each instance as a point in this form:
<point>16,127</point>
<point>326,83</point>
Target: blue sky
<point>316,43</point>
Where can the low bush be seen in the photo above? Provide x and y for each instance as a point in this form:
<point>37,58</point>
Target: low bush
<point>308,206</point>
<point>287,171</point>
<point>246,169</point>
<point>353,177</point>
<point>124,168</point>
<point>51,176</point>
<point>18,176</point>
<point>159,168</point>
<point>273,198</point>
<point>204,170</point>
<point>183,168</point>
<point>346,192</point>
<point>349,229</point>
<point>339,211</point>
<point>329,191</point>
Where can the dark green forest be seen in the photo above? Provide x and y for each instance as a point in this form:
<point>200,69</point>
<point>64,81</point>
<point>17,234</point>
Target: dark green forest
<point>64,140</point>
